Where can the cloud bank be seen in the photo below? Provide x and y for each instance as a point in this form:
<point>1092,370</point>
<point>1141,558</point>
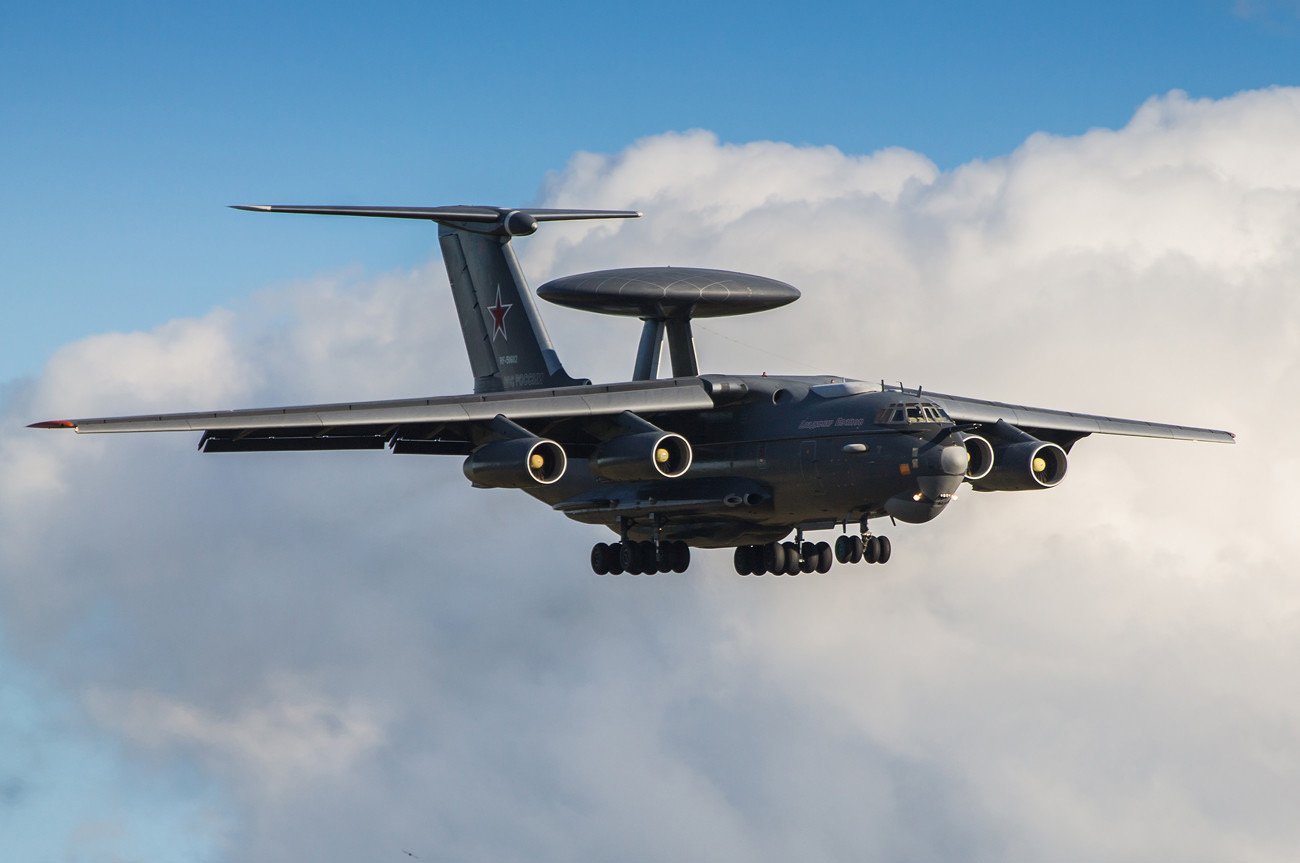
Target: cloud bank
<point>368,656</point>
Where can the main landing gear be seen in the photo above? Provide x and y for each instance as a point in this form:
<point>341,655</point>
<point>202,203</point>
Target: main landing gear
<point>792,558</point>
<point>783,558</point>
<point>872,549</point>
<point>636,558</point>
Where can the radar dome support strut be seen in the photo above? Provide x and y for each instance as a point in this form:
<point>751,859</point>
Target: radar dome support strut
<point>649,350</point>
<point>666,299</point>
<point>681,348</point>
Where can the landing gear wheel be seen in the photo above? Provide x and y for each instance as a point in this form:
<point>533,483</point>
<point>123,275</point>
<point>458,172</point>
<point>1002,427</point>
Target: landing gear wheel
<point>741,560</point>
<point>646,551</point>
<point>664,557</point>
<point>824,557</point>
<point>871,549</point>
<point>774,558</point>
<point>616,558</point>
<point>680,556</point>
<point>629,555</point>
<point>843,547</point>
<point>886,548</point>
<point>600,558</point>
<point>808,557</point>
<point>855,549</point>
<point>791,558</point>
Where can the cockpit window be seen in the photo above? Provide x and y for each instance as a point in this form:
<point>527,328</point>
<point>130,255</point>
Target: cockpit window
<point>901,413</point>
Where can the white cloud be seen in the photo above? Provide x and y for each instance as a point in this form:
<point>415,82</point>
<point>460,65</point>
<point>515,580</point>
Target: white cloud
<point>289,741</point>
<point>1098,671</point>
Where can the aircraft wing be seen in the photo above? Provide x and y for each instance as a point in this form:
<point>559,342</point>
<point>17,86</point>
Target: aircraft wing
<point>1065,427</point>
<point>443,425</point>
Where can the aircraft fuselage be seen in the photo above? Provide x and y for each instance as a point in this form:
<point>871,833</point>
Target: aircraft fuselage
<point>787,456</point>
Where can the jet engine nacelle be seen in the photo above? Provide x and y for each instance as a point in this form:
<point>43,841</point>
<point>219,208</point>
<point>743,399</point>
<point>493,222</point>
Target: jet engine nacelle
<point>516,463</point>
<point>1024,466</point>
<point>642,456</point>
<point>980,457</point>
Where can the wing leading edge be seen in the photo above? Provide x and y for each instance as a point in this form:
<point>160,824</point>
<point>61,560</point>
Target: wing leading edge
<point>1052,424</point>
<point>421,425</point>
<point>432,425</point>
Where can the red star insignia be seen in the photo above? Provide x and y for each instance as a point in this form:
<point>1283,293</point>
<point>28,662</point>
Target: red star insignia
<point>499,316</point>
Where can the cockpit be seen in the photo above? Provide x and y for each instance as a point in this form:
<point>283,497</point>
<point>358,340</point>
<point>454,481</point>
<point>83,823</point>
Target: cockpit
<point>906,413</point>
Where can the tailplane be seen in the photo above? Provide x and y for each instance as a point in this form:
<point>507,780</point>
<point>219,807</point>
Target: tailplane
<point>505,338</point>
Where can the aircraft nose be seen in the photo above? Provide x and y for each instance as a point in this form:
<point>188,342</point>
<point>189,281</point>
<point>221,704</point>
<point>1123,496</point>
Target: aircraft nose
<point>939,488</point>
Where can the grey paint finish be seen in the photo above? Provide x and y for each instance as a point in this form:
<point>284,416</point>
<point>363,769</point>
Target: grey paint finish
<point>648,351</point>
<point>963,409</point>
<point>667,298</point>
<point>767,454</point>
<point>498,217</point>
<point>508,345</point>
<point>667,292</point>
<point>591,400</point>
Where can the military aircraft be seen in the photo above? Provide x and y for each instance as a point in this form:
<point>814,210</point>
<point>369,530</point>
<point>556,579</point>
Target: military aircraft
<point>692,460</point>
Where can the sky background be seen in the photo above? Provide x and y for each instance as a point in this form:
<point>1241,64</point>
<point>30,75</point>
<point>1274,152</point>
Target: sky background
<point>127,132</point>
<point>351,656</point>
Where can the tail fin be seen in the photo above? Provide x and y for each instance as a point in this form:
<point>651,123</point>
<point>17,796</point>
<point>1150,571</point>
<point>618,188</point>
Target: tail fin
<point>507,342</point>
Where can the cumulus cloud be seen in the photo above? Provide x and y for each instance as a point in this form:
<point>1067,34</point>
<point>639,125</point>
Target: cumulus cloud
<point>374,657</point>
<point>284,742</point>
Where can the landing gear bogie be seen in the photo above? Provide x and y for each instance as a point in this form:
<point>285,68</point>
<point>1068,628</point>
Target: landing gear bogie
<point>635,558</point>
<point>784,558</point>
<point>867,548</point>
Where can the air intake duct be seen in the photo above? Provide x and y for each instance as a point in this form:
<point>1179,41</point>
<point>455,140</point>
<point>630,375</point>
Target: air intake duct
<point>980,455</point>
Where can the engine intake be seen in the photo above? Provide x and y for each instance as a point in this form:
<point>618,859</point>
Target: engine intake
<point>980,452</point>
<point>516,463</point>
<point>642,456</point>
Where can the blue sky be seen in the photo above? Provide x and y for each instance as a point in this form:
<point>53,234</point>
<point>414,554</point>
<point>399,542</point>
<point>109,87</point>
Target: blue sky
<point>127,130</point>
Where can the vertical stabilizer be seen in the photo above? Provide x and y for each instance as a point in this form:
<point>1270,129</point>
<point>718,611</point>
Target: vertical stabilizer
<point>505,338</point>
<point>504,335</point>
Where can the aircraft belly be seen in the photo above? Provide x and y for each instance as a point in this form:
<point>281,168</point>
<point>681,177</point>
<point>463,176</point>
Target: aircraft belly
<point>743,492</point>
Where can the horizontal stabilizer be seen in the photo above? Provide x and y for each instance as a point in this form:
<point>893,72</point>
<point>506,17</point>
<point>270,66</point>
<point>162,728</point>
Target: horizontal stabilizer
<point>517,221</point>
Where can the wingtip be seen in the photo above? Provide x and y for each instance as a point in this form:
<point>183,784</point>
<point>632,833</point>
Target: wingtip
<point>54,424</point>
